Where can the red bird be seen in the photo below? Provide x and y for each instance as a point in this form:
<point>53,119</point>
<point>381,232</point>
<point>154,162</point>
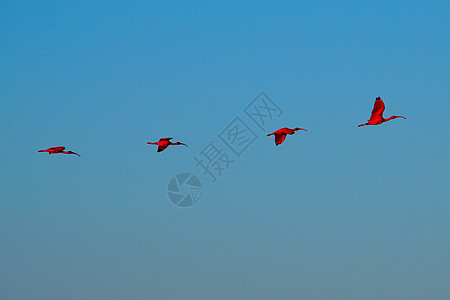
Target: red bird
<point>60,149</point>
<point>377,114</point>
<point>163,143</point>
<point>280,134</point>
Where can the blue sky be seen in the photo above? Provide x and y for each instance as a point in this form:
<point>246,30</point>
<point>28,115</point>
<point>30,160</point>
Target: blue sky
<point>338,212</point>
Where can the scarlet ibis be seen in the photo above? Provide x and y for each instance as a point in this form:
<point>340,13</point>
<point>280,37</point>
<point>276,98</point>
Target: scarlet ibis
<point>377,114</point>
<point>60,149</point>
<point>280,134</point>
<point>163,143</point>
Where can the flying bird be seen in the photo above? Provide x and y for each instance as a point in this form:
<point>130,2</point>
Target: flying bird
<point>280,134</point>
<point>60,149</point>
<point>163,143</point>
<point>377,114</point>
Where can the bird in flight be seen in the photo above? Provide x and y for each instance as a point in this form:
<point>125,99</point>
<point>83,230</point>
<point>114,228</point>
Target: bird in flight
<point>377,114</point>
<point>60,149</point>
<point>163,143</point>
<point>280,134</point>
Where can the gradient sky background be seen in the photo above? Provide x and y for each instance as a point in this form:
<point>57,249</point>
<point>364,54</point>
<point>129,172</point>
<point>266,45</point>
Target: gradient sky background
<point>339,212</point>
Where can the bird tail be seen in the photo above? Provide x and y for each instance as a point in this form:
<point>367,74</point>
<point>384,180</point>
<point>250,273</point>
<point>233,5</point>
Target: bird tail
<point>361,125</point>
<point>270,134</point>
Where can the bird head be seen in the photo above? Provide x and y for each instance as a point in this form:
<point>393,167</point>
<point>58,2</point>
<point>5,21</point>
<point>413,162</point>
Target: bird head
<point>71,152</point>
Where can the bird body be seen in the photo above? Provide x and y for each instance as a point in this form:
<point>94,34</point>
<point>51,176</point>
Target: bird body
<point>163,143</point>
<point>59,149</point>
<point>280,134</point>
<point>376,118</point>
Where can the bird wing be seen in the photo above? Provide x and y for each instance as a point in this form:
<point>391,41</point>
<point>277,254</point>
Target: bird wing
<point>378,109</point>
<point>285,130</point>
<point>279,138</point>
<point>161,148</point>
<point>57,149</point>
<point>165,139</point>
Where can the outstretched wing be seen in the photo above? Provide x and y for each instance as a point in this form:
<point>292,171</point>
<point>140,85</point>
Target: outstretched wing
<point>57,149</point>
<point>162,148</point>
<point>279,138</point>
<point>378,109</point>
<point>165,139</point>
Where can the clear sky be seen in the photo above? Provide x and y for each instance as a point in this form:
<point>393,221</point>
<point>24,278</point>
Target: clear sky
<point>338,212</point>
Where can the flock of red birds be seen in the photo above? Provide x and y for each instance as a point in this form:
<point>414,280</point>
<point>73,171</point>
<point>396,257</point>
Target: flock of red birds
<point>376,118</point>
